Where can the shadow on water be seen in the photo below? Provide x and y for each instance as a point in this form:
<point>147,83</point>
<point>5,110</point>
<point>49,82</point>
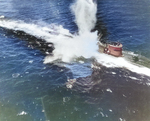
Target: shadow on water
<point>32,41</point>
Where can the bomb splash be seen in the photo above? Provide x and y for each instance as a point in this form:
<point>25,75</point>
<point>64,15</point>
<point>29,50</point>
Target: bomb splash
<point>83,44</point>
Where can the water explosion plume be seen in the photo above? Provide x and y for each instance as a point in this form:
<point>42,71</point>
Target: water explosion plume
<point>68,47</point>
<point>85,43</point>
<point>85,14</point>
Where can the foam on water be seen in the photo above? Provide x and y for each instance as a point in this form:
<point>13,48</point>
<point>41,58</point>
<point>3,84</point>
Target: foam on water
<point>2,17</point>
<point>110,61</point>
<point>83,44</point>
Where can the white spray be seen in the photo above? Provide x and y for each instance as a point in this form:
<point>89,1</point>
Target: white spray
<point>84,44</point>
<point>85,14</point>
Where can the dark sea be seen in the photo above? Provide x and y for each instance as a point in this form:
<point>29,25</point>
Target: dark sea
<point>41,50</point>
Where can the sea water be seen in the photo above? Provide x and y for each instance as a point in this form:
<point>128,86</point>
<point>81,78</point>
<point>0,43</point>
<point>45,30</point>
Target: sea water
<point>33,85</point>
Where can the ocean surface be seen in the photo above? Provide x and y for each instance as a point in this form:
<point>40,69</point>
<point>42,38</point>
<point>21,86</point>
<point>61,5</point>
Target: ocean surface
<point>46,43</point>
